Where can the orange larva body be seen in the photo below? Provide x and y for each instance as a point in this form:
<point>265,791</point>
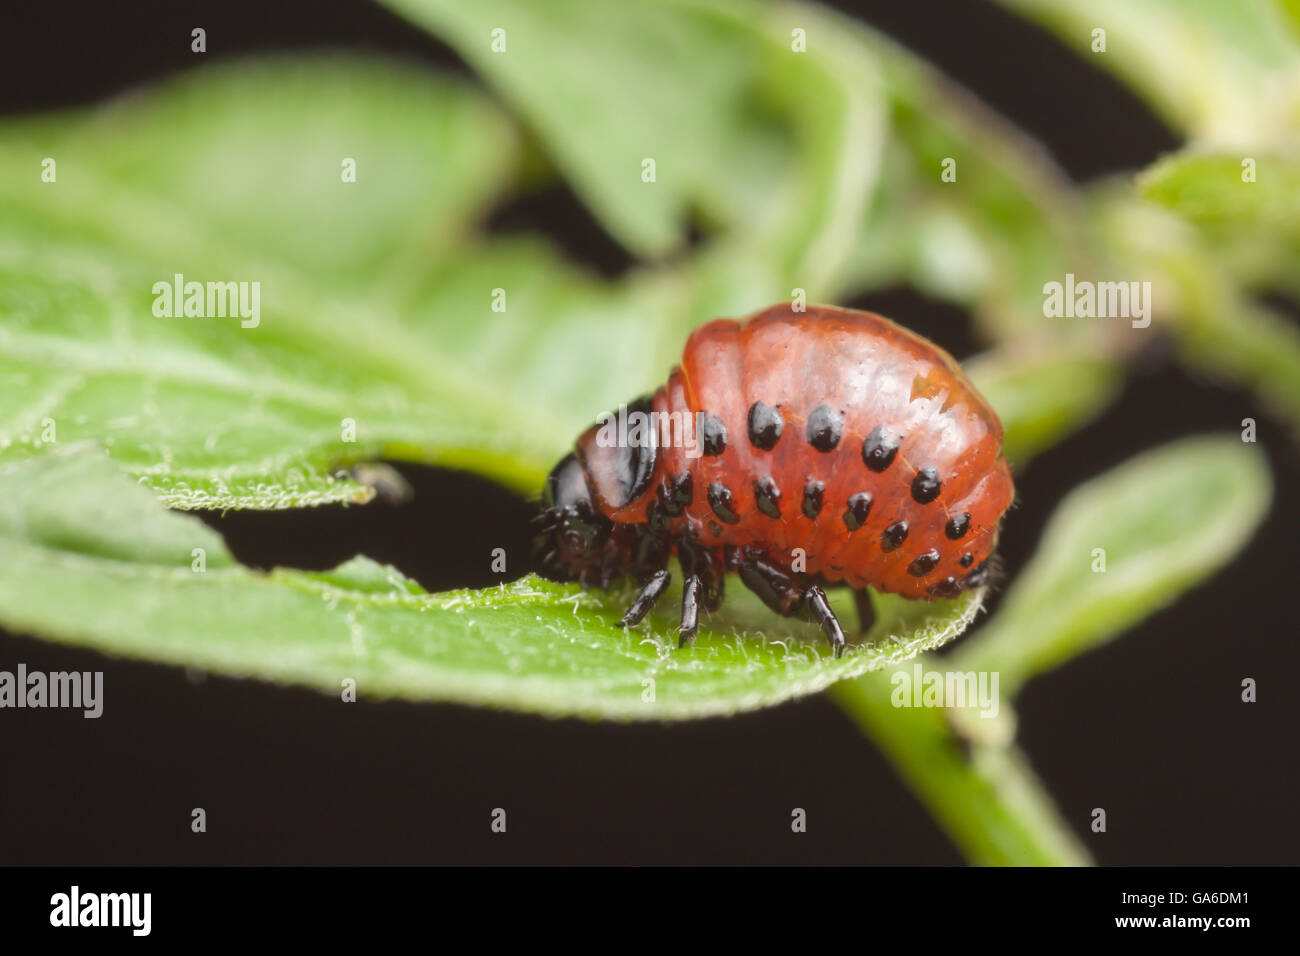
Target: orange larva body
<point>836,444</point>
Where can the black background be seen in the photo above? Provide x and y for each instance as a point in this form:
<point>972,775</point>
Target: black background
<point>1150,727</point>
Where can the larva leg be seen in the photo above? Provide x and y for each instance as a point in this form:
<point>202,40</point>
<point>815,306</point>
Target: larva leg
<point>650,592</point>
<point>702,563</point>
<point>690,610</point>
<point>779,590</point>
<point>815,600</point>
<point>866,611</point>
<point>786,595</point>
<point>712,577</point>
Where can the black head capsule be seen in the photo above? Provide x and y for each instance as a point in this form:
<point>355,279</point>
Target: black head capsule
<point>574,529</point>
<point>825,428</point>
<point>765,424</point>
<point>879,449</point>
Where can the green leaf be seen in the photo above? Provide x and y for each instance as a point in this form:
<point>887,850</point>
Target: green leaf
<point>1224,72</point>
<point>1290,9</point>
<point>1220,326</point>
<point>375,313</point>
<point>987,798</point>
<point>213,415</point>
<point>1165,521</point>
<point>1226,332</point>
<point>1209,190</point>
<point>88,558</point>
<point>241,167</point>
<point>1042,395</point>
<point>747,135</point>
<point>1245,342</point>
<point>988,240</point>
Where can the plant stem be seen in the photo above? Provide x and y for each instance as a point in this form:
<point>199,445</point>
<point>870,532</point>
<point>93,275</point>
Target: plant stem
<point>985,796</point>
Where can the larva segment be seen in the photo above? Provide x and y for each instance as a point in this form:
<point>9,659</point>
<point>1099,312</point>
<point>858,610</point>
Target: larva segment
<point>884,422</point>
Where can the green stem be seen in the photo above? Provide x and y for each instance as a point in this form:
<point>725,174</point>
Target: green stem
<point>991,803</point>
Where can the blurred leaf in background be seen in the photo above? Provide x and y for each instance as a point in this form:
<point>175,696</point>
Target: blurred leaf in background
<point>1220,72</point>
<point>1226,77</point>
<point>1119,548</point>
<point>1116,550</point>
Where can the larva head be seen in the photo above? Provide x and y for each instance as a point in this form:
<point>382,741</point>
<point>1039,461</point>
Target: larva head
<point>572,542</point>
<point>594,523</point>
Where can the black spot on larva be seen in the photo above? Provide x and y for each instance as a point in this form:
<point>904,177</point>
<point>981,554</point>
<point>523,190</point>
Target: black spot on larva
<point>813,493</point>
<point>675,494</point>
<point>924,564</point>
<point>715,528</point>
<point>949,587</point>
<point>825,427</point>
<point>879,449</point>
<point>893,536</point>
<point>657,518</point>
<point>683,489</point>
<point>767,496</point>
<point>957,526</point>
<point>856,514</point>
<point>721,502</point>
<point>713,434</point>
<point>926,485</point>
<point>765,424</point>
<point>967,560</point>
<point>978,577</point>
